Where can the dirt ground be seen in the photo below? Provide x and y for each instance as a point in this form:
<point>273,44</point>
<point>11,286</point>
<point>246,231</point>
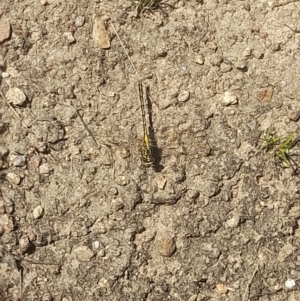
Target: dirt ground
<point>81,216</point>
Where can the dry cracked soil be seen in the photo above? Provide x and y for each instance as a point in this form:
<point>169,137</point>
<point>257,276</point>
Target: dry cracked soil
<point>216,216</point>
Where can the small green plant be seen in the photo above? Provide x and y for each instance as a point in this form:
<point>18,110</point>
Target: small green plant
<point>280,147</point>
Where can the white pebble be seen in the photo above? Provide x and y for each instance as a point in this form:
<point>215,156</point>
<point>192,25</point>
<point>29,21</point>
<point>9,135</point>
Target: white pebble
<point>24,244</point>
<point>16,96</point>
<point>96,244</point>
<point>199,59</point>
<point>38,212</point>
<point>290,283</point>
<point>70,38</point>
<point>229,99</point>
<point>79,21</point>
<point>5,75</point>
<point>183,96</point>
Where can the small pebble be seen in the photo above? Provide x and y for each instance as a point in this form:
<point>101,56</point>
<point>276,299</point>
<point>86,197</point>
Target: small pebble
<point>294,115</point>
<point>113,191</point>
<point>103,283</point>
<point>13,178</point>
<point>225,67</point>
<point>258,54</point>
<point>24,244</point>
<point>183,96</point>
<point>212,45</point>
<point>240,64</point>
<point>276,47</point>
<point>83,253</point>
<point>84,67</point>
<point>290,283</point>
<point>229,99</point>
<point>18,160</point>
<point>34,162</point>
<point>100,35</point>
<point>38,212</point>
<point>199,59</point>
<point>247,52</point>
<point>121,181</point>
<point>161,52</point>
<point>96,244</point>
<point>5,74</point>
<point>216,60</point>
<point>44,2</point>
<point>79,21</point>
<point>102,229</point>
<point>16,96</point>
<point>166,247</point>
<point>285,252</point>
<point>69,37</point>
<point>44,169</point>
<point>222,288</point>
<point>5,29</point>
<point>161,182</point>
<point>233,222</point>
<point>215,253</point>
<point>101,253</point>
<point>192,194</point>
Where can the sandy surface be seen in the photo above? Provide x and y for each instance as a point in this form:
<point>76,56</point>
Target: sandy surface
<point>81,217</point>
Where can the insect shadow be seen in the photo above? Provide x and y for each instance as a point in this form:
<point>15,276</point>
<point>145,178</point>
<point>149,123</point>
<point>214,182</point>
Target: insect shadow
<point>156,151</point>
